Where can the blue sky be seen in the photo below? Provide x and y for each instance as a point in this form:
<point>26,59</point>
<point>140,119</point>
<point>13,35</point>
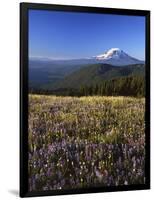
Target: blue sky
<point>67,35</point>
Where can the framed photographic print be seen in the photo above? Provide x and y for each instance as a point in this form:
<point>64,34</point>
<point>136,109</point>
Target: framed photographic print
<point>84,99</point>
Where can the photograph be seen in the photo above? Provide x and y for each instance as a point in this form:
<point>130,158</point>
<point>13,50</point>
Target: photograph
<point>86,100</point>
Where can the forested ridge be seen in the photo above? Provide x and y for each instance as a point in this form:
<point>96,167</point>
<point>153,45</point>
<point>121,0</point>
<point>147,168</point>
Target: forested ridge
<point>123,86</point>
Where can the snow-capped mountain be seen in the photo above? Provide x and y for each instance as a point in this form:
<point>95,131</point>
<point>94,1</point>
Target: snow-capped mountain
<point>114,56</point>
<point>51,74</point>
<point>117,57</point>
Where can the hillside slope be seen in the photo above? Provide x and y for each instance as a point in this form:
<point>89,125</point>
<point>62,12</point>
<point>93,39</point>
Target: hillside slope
<point>95,74</point>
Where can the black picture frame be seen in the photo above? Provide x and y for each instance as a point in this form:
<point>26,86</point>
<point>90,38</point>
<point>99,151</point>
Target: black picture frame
<point>24,7</point>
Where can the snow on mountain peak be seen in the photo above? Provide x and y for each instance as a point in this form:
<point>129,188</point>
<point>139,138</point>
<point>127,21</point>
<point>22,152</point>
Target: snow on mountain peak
<point>111,53</point>
<point>116,56</point>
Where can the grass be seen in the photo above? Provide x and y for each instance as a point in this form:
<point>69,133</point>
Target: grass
<point>79,142</point>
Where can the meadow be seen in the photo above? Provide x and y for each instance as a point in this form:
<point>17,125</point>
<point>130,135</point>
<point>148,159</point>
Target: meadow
<point>91,141</point>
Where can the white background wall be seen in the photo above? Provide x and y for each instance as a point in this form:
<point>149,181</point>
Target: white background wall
<point>9,97</point>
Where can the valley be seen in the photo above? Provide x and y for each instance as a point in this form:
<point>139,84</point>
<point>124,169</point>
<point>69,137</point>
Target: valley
<point>69,77</point>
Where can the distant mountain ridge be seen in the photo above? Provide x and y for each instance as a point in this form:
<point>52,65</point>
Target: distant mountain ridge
<point>113,56</point>
<point>50,74</point>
